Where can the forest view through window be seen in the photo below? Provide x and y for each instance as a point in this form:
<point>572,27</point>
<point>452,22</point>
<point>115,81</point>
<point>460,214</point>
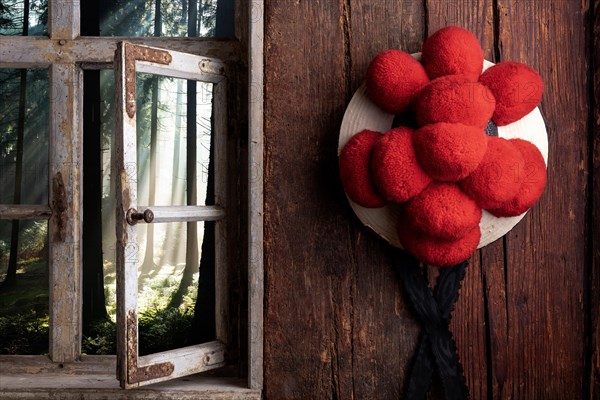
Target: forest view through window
<point>174,142</point>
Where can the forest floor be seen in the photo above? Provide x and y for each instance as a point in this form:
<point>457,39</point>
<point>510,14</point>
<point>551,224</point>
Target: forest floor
<point>24,311</point>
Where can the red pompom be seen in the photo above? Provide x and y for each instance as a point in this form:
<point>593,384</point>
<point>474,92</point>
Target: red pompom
<point>497,179</point>
<point>393,79</point>
<point>437,252</point>
<point>533,181</point>
<point>456,99</point>
<point>452,51</point>
<point>443,211</point>
<point>449,152</point>
<point>518,90</point>
<point>355,169</point>
<point>396,172</point>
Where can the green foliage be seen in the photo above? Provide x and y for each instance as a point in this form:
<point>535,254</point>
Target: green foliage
<point>164,329</point>
<point>33,240</point>
<point>100,339</point>
<point>4,253</point>
<point>24,310</point>
<point>158,330</point>
<point>32,244</point>
<point>23,334</point>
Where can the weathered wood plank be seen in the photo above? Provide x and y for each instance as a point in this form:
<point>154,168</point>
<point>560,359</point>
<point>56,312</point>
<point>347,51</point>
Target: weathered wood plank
<point>222,259</point>
<point>125,168</point>
<point>382,25</point>
<point>309,259</point>
<point>103,386</point>
<point>66,147</point>
<point>66,181</point>
<point>24,211</point>
<point>187,360</point>
<point>255,192</point>
<point>476,16</point>
<point>63,19</point>
<point>593,286</point>
<point>99,52</point>
<point>348,315</point>
<point>546,252</point>
<point>383,330</point>
<point>469,317</point>
<point>163,214</point>
<point>18,365</point>
<point>186,66</point>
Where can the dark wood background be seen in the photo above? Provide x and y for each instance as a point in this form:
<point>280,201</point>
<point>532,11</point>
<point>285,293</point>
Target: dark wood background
<point>337,325</point>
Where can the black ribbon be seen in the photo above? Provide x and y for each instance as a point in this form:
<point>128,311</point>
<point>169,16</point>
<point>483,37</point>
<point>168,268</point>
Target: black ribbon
<point>436,347</point>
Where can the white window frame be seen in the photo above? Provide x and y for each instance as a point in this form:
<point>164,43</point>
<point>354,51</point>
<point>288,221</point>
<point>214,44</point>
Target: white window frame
<point>133,370</point>
<point>66,54</point>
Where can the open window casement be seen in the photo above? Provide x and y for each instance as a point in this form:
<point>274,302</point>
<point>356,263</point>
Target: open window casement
<point>134,370</point>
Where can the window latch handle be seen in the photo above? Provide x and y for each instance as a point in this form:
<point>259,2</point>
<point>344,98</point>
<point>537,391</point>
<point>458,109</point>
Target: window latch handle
<point>133,216</point>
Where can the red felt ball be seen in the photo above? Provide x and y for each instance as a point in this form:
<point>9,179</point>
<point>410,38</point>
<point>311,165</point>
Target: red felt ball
<point>393,78</point>
<point>533,181</point>
<point>497,179</point>
<point>437,252</point>
<point>455,99</point>
<point>518,90</point>
<point>449,152</point>
<point>355,169</point>
<point>443,211</point>
<point>397,174</point>
<point>452,51</point>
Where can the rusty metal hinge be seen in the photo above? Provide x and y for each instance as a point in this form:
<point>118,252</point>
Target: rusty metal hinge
<point>135,53</point>
<point>59,208</point>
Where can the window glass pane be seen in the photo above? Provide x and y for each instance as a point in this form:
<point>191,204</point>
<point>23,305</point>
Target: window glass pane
<point>193,18</point>
<point>163,249</point>
<point>24,136</point>
<point>24,17</point>
<point>164,137</point>
<point>23,287</point>
<point>168,285</point>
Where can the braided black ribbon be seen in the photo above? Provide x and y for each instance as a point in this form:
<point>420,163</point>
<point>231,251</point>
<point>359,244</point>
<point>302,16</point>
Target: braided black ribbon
<point>436,347</point>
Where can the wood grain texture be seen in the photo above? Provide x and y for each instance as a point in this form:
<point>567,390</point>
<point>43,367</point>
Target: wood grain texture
<point>338,327</point>
<point>546,252</point>
<point>20,211</point>
<point>336,323</point>
<point>64,228</point>
<point>594,276</point>
<point>384,331</point>
<point>307,312</point>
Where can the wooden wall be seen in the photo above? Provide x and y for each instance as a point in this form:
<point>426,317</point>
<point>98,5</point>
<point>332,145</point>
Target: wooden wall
<point>337,325</point>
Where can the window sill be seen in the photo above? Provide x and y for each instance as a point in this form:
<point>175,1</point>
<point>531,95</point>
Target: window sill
<point>104,386</point>
<point>93,378</point>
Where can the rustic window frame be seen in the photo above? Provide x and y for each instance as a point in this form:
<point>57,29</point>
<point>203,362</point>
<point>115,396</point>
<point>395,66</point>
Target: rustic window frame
<point>67,54</point>
<point>134,370</point>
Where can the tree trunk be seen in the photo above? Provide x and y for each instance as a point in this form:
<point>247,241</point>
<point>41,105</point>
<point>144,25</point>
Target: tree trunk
<point>203,326</point>
<point>94,306</point>
<point>173,230</point>
<point>191,244</point>
<point>224,27</point>
<point>148,263</point>
<point>11,273</point>
<point>191,251</point>
<point>94,302</point>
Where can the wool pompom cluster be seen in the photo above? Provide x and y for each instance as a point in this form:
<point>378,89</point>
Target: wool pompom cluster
<point>444,173</point>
